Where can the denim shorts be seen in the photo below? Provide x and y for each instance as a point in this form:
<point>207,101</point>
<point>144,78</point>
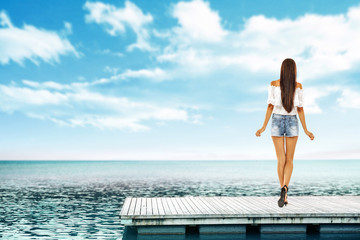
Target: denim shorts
<point>284,124</point>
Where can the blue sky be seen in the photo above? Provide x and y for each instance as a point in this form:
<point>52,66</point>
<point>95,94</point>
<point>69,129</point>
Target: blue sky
<point>173,80</point>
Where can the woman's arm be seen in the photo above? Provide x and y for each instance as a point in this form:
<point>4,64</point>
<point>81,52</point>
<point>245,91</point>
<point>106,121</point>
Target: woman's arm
<point>267,117</point>
<point>303,123</point>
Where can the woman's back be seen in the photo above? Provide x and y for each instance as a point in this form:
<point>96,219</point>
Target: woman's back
<point>274,98</point>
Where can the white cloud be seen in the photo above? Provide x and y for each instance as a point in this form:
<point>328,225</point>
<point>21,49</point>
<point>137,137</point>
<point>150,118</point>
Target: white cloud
<point>312,95</point>
<point>68,28</point>
<point>29,42</point>
<point>349,99</point>
<point>13,97</point>
<point>108,122</point>
<point>320,44</point>
<point>5,20</point>
<point>157,74</point>
<point>198,22</point>
<point>116,19</point>
<point>196,119</point>
<point>107,51</point>
<point>112,70</point>
<point>81,78</point>
<point>193,60</point>
<point>75,105</point>
<point>48,84</point>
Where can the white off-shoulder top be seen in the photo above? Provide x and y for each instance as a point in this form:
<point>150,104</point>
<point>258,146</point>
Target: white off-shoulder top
<point>274,98</point>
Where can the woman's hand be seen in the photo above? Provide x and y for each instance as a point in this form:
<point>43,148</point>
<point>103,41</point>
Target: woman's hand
<point>311,136</point>
<point>258,132</point>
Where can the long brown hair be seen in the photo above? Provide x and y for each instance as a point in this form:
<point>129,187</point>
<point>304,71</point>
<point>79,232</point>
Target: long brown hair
<point>288,83</point>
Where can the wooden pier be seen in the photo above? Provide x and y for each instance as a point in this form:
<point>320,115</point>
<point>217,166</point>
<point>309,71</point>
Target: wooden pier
<point>172,215</point>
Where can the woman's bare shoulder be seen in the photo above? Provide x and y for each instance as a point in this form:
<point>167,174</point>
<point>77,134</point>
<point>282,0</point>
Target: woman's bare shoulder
<point>275,83</point>
<point>299,85</point>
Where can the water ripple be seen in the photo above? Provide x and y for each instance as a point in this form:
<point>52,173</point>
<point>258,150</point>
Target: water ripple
<point>86,206</point>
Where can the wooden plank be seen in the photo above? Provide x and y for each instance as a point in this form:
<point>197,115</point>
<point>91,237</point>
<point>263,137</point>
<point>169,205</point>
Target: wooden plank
<point>220,205</point>
<point>319,203</point>
<point>241,207</point>
<point>349,199</point>
<point>143,206</point>
<point>304,205</point>
<point>171,206</point>
<point>125,208</point>
<point>160,206</point>
<point>271,205</point>
<point>182,206</point>
<point>314,203</point>
<point>138,207</point>
<point>229,202</point>
<point>265,207</point>
<point>215,205</point>
<point>292,206</point>
<point>202,208</point>
<point>193,208</point>
<point>176,206</point>
<point>334,204</point>
<point>248,204</point>
<point>210,209</point>
<point>154,206</point>
<point>328,205</point>
<point>148,206</point>
<point>166,206</point>
<point>132,206</point>
<point>311,204</point>
<point>232,204</point>
<point>247,209</point>
<point>210,205</point>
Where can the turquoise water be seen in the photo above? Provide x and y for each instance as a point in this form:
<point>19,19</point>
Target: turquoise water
<point>82,199</point>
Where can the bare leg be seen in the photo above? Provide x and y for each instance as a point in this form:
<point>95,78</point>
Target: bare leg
<point>280,154</point>
<point>289,156</point>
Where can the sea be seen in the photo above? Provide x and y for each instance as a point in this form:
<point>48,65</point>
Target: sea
<point>83,199</point>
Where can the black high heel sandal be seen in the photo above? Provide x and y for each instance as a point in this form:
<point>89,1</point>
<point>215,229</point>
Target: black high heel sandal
<point>287,189</point>
<point>281,201</point>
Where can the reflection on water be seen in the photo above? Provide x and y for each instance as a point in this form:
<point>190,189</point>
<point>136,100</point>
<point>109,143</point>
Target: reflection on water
<point>82,200</point>
<point>130,234</point>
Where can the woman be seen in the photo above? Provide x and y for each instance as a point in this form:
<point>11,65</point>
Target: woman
<point>285,101</point>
